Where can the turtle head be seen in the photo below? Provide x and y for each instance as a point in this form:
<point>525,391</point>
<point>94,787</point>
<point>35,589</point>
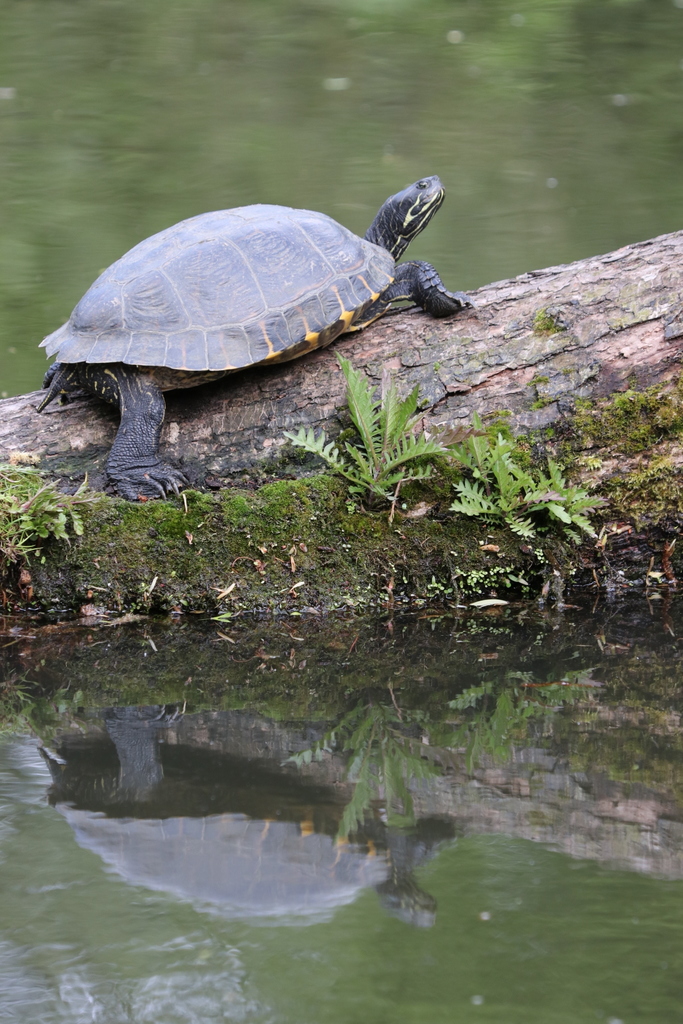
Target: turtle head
<point>404,215</point>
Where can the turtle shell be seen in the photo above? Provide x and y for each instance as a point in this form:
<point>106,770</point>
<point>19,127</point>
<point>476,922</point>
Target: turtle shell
<point>237,866</point>
<point>226,290</point>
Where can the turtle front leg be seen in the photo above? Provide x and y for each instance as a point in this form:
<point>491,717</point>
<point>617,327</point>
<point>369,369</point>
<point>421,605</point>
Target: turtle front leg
<point>418,282</point>
<point>133,465</point>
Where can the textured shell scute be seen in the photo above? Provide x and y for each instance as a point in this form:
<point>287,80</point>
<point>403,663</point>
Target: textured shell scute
<point>150,302</point>
<point>186,350</point>
<point>217,284</point>
<point>227,350</point>
<point>257,342</point>
<point>150,348</point>
<point>305,317</point>
<point>286,265</point>
<point>224,290</point>
<point>151,253</point>
<point>100,309</point>
<point>108,347</point>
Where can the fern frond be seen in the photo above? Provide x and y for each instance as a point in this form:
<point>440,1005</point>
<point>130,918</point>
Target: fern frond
<point>397,416</point>
<point>319,445</point>
<point>363,407</point>
<point>473,500</point>
<point>522,527</point>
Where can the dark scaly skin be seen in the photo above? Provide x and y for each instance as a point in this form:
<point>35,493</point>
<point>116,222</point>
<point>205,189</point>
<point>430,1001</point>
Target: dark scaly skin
<point>420,283</point>
<point>133,465</point>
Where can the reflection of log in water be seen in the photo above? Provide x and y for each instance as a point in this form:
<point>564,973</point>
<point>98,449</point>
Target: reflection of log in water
<point>538,797</point>
<point>232,834</point>
<point>209,813</point>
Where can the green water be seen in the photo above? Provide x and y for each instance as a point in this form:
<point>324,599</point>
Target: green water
<point>554,124</point>
<point>164,862</point>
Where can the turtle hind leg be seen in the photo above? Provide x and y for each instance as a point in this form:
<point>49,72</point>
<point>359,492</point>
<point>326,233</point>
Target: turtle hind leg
<point>61,380</point>
<point>417,282</point>
<point>134,466</point>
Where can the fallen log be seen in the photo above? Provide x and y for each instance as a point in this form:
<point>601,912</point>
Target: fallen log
<point>605,330</point>
<point>533,345</point>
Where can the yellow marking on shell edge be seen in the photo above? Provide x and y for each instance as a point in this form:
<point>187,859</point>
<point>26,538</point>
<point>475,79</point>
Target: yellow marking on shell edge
<point>339,298</point>
<point>271,350</point>
<point>307,828</point>
<point>312,339</point>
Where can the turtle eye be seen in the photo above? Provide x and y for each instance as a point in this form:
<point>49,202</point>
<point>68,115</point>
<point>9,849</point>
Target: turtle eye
<point>423,184</point>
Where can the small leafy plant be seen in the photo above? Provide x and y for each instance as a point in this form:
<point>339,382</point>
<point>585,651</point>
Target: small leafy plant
<point>497,489</point>
<point>32,510</point>
<point>391,450</point>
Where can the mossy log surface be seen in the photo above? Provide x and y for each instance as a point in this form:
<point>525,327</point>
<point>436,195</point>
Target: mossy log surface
<point>291,546</point>
<point>532,346</point>
<point>583,363</point>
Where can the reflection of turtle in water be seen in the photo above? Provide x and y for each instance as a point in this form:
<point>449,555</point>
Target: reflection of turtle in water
<point>246,839</point>
<point>226,290</point>
<point>400,893</point>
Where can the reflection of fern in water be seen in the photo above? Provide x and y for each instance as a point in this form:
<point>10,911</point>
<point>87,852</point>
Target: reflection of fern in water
<point>493,722</point>
<point>496,489</point>
<point>24,708</point>
<point>384,760</point>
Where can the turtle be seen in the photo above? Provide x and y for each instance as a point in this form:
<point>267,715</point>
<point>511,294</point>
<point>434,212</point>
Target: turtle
<point>225,290</point>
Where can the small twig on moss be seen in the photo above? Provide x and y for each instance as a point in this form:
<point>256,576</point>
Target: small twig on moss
<point>394,500</point>
<point>666,561</point>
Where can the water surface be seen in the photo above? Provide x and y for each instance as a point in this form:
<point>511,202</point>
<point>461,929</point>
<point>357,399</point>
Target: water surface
<point>554,125</point>
<point>409,818</point>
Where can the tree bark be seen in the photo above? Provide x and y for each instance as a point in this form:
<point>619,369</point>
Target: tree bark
<point>532,346</point>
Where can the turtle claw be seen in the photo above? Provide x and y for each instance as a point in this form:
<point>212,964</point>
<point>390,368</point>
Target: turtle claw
<point>144,482</point>
<point>463,299</point>
<point>441,303</point>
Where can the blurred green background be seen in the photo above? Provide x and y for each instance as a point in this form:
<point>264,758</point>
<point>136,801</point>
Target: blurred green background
<point>555,125</point>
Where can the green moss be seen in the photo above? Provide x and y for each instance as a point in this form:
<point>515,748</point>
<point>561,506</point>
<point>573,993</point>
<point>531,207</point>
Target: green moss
<point>631,421</point>
<point>547,322</point>
<point>497,423</point>
<point>522,454</point>
<point>246,549</point>
<point>649,495</point>
<point>242,551</point>
<point>541,403</point>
